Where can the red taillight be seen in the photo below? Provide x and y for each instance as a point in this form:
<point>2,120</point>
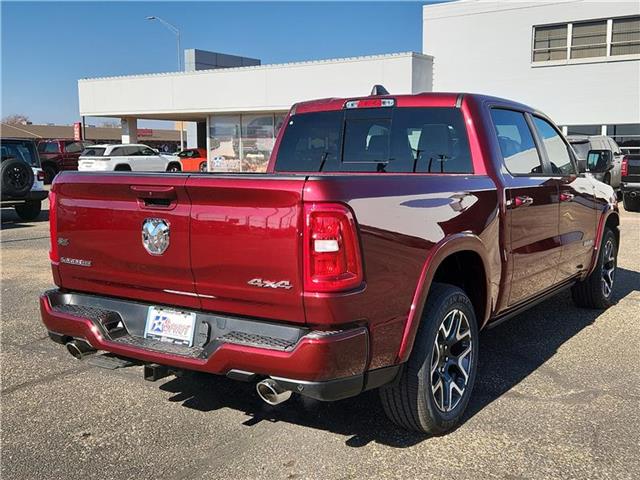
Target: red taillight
<point>624,168</point>
<point>40,176</point>
<point>332,260</point>
<point>53,227</point>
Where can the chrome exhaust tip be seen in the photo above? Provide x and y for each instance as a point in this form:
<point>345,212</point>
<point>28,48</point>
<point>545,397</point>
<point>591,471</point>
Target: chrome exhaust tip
<point>271,392</point>
<point>79,349</point>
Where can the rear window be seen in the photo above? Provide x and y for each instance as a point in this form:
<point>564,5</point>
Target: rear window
<point>22,150</point>
<point>380,140</point>
<point>93,152</point>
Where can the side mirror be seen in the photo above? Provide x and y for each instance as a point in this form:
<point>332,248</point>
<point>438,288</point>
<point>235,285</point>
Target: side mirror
<point>599,161</point>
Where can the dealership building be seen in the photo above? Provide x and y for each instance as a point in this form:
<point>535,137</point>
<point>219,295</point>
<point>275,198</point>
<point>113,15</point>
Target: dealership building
<point>578,61</point>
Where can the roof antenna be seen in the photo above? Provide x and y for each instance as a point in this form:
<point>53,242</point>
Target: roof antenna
<point>379,90</point>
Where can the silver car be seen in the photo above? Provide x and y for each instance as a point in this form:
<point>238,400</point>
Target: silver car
<point>582,144</point>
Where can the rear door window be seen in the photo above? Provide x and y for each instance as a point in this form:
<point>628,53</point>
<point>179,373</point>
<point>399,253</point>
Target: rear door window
<point>93,152</point>
<point>48,147</point>
<point>73,147</point>
<point>557,150</point>
<point>516,142</point>
<point>382,140</point>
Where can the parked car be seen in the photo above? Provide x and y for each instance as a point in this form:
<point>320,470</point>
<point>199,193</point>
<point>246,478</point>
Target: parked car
<point>387,231</point>
<point>57,155</point>
<point>193,159</point>
<point>630,184</point>
<point>583,144</point>
<point>22,178</point>
<point>141,158</point>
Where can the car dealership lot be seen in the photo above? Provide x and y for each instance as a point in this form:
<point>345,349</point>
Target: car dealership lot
<point>557,396</point>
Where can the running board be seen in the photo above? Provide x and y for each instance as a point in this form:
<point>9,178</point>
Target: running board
<point>531,303</point>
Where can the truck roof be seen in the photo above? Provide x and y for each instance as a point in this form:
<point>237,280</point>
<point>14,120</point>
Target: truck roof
<point>427,99</point>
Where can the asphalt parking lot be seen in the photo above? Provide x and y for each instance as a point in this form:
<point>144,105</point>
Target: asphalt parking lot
<point>557,396</point>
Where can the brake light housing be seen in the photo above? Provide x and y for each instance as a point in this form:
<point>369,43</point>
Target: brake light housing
<point>370,103</point>
<point>624,167</point>
<point>332,257</point>
<point>53,227</point>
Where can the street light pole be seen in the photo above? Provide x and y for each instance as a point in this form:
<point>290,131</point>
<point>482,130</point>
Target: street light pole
<point>176,31</point>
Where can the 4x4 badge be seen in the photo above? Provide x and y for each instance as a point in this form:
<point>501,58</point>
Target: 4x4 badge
<point>259,282</point>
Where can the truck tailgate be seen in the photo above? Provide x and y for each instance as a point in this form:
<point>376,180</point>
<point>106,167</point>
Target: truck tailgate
<point>99,221</point>
<point>246,244</point>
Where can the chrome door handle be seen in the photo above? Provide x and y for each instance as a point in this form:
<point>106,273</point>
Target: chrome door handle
<point>566,196</point>
<point>521,201</point>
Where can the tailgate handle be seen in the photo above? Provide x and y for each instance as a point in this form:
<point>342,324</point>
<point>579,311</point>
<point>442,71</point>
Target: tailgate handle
<point>155,196</point>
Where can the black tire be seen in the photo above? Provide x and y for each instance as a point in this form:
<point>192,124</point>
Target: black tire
<point>592,292</point>
<point>122,168</point>
<point>203,166</point>
<point>174,167</point>
<point>17,178</point>
<point>631,204</point>
<point>50,173</point>
<point>410,402</point>
<point>29,211</point>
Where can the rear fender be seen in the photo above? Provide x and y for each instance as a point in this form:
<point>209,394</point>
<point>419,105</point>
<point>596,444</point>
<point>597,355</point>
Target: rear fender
<point>450,245</point>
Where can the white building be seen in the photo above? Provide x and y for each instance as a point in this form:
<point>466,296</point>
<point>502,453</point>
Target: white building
<point>242,107</point>
<point>576,60</point>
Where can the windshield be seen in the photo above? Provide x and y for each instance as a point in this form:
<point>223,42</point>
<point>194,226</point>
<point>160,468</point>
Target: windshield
<point>93,152</point>
<point>581,149</point>
<point>380,140</point>
<point>24,150</point>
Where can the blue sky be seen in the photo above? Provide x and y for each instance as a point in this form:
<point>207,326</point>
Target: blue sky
<point>48,46</point>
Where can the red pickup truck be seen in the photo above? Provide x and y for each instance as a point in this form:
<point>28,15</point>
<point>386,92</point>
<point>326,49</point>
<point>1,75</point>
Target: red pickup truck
<point>387,231</point>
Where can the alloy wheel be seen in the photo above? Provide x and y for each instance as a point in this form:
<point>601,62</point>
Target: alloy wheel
<point>608,267</point>
<point>451,360</point>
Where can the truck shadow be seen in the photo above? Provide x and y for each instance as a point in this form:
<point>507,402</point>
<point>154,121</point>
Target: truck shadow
<point>11,220</point>
<point>508,354</point>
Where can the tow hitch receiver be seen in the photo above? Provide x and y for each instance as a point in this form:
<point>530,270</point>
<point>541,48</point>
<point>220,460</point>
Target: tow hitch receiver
<point>153,372</point>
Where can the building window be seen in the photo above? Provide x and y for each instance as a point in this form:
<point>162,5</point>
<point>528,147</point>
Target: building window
<point>584,40</point>
<point>584,130</point>
<point>589,39</point>
<point>625,36</point>
<point>242,143</point>
<point>550,43</point>
<point>627,136</point>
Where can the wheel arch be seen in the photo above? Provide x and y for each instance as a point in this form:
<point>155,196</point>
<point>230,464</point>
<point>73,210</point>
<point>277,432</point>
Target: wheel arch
<point>448,255</point>
<point>175,162</point>
<point>610,218</point>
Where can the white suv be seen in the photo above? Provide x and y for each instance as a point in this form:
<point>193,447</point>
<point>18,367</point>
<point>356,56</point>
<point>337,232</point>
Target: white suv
<point>132,157</point>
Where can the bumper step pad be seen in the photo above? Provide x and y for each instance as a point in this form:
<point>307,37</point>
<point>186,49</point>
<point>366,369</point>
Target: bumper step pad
<point>158,346</point>
<point>255,340</point>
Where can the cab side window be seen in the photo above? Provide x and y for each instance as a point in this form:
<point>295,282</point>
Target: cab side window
<point>48,147</point>
<point>516,142</point>
<point>73,147</point>
<point>557,150</point>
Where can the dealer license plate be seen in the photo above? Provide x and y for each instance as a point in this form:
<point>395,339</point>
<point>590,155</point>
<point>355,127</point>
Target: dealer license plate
<point>170,326</point>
